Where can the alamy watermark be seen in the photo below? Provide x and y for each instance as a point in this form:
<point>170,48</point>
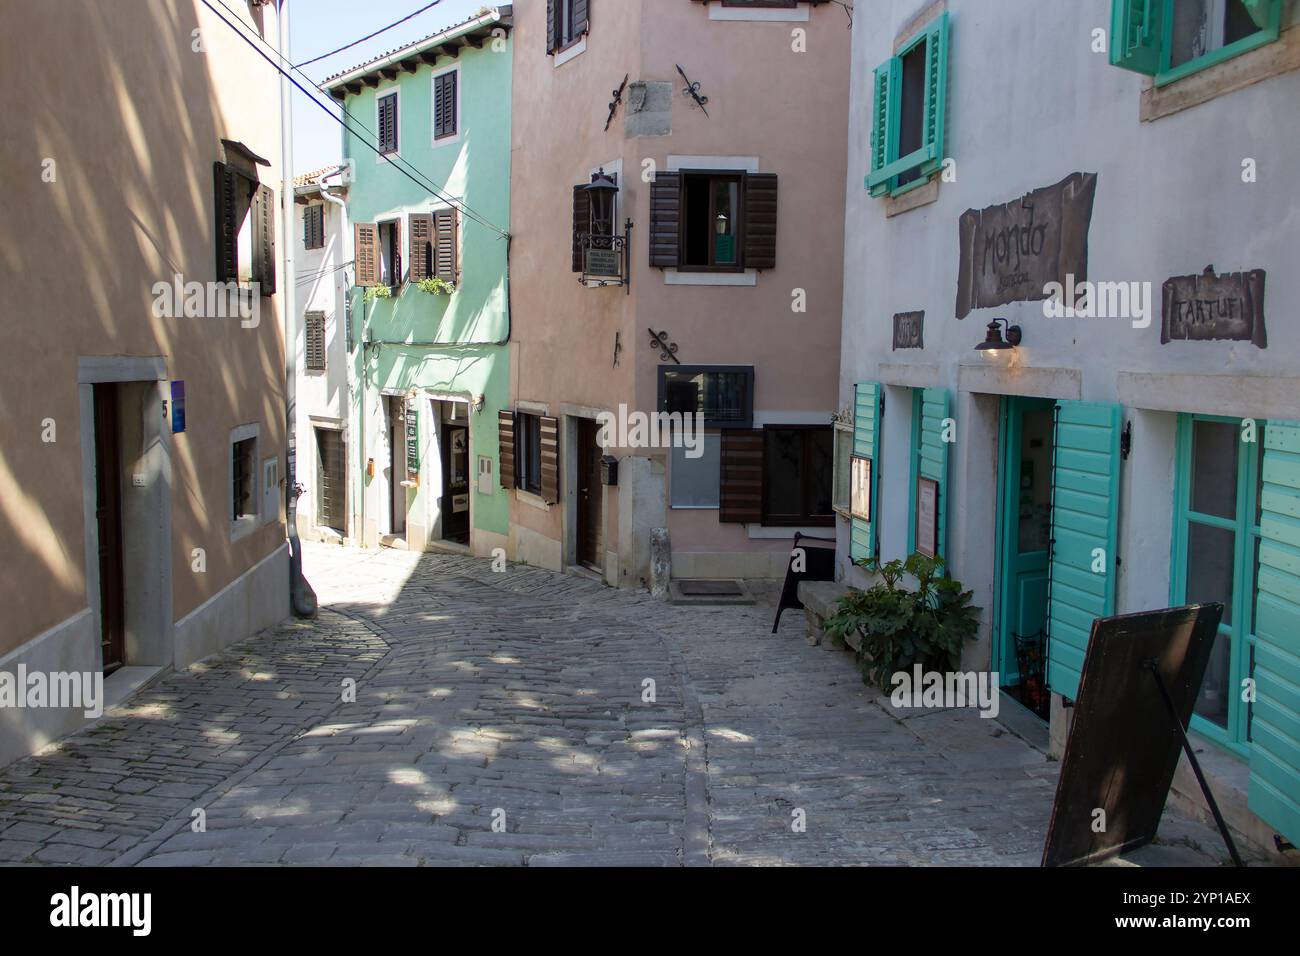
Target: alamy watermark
<point>208,300</point>
<point>631,429</point>
<point>36,690</point>
<point>934,689</point>
<point>1099,300</point>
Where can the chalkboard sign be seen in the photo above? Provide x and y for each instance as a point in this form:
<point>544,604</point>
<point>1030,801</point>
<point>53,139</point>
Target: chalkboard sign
<point>413,444</point>
<point>1209,306</point>
<point>1123,746</point>
<point>909,330</point>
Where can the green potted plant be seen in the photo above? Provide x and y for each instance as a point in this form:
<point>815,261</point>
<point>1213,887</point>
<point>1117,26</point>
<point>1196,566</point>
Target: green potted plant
<point>378,292</point>
<point>436,286</point>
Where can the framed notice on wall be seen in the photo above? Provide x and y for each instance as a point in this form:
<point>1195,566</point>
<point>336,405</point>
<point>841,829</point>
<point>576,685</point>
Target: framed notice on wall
<point>860,488</point>
<point>927,517</point>
<point>412,443</point>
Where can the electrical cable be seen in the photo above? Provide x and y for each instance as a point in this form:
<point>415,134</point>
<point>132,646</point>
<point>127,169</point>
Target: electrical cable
<point>325,56</point>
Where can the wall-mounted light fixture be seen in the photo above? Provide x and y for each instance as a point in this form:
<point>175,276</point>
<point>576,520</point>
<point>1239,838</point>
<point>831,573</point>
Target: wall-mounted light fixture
<point>721,224</point>
<point>994,344</point>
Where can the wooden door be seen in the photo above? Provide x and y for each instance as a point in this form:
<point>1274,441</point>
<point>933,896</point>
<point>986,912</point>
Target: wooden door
<point>589,496</point>
<point>331,464</point>
<point>108,521</point>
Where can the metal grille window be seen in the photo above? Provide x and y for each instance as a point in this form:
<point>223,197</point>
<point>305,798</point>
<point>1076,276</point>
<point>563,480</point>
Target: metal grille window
<point>244,454</point>
<point>315,333</point>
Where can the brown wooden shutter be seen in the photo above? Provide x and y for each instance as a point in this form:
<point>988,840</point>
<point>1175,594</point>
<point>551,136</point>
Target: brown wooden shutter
<point>581,223</point>
<point>388,123</point>
<point>444,105</point>
<point>264,239</point>
<point>760,221</point>
<point>397,253</point>
<point>550,460</point>
<point>581,17</point>
<point>226,224</point>
<point>367,253</point>
<point>665,220</point>
<point>741,498</point>
<point>550,27</point>
<point>506,452</point>
<point>315,334</point>
<point>445,263</point>
<point>421,226</point>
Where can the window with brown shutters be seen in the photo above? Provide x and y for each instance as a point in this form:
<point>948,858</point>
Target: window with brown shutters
<point>367,253</point>
<point>581,222</point>
<point>741,476</point>
<point>264,239</point>
<point>421,226</point>
<point>314,330</point>
<point>446,262</point>
<point>567,21</point>
<point>507,447</point>
<point>550,460</point>
<point>445,104</point>
<point>387,106</point>
<point>713,221</point>
<point>665,220</point>
<point>227,219</point>
<point>313,226</point>
<point>760,221</point>
<point>390,253</point>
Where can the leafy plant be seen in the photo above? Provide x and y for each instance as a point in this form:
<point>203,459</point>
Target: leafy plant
<point>902,627</point>
<point>378,292</point>
<point>436,286</point>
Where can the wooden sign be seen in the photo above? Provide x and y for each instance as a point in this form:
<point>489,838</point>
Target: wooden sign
<point>1209,306</point>
<point>909,330</point>
<point>1123,746</point>
<point>860,488</point>
<point>927,517</point>
<point>1009,253</point>
<point>413,443</point>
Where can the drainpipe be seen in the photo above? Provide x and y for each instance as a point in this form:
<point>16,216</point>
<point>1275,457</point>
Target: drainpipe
<point>302,599</point>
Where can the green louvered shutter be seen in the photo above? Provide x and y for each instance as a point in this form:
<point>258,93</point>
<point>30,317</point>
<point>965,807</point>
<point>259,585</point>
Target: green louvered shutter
<point>866,428</point>
<point>1275,729</point>
<point>1135,32</point>
<point>936,92</point>
<point>1261,11</point>
<point>1085,518</point>
<point>884,123</point>
<point>932,454</point>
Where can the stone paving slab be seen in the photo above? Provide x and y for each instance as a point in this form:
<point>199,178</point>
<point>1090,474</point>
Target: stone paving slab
<point>502,719</point>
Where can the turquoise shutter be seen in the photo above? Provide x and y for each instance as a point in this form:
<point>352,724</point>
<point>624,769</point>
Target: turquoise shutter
<point>866,428</point>
<point>932,456</point>
<point>884,123</point>
<point>1261,11</point>
<point>1135,33</point>
<point>936,92</point>
<point>1275,729</point>
<point>1085,517</point>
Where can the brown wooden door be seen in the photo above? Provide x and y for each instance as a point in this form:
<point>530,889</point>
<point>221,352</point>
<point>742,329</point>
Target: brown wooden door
<point>108,520</point>
<point>331,491</point>
<point>589,496</point>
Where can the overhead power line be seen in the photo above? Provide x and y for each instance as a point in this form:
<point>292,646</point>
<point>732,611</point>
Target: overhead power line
<point>371,36</point>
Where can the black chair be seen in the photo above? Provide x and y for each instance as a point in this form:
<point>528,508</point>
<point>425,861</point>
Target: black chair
<point>819,565</point>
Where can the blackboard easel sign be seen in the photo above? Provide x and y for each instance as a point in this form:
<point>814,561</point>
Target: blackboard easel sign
<point>1139,684</point>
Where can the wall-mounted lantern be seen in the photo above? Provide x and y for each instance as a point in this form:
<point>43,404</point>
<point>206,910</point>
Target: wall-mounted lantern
<point>721,225</point>
<point>602,192</point>
<point>994,344</point>
<point>605,253</point>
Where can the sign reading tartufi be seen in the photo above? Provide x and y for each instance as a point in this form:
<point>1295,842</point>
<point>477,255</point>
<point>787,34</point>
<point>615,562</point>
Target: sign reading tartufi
<point>1209,306</point>
<point>1010,253</point>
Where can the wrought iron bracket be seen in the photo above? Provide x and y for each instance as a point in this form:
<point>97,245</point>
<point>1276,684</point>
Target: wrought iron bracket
<point>693,91</point>
<point>618,98</point>
<point>667,350</point>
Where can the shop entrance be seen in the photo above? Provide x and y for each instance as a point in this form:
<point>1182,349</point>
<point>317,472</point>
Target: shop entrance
<point>1025,530</point>
<point>454,449</point>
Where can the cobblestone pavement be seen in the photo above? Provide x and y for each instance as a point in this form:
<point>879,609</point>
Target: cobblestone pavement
<point>499,718</point>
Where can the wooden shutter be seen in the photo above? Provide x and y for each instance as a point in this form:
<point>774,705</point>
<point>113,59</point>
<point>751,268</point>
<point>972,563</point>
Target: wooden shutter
<point>581,17</point>
<point>314,226</point>
<point>760,221</point>
<point>884,124</point>
<point>226,222</point>
<point>665,220</point>
<point>581,223</point>
<point>444,105</point>
<point>315,334</point>
<point>421,227</point>
<point>367,253</point>
<point>388,123</point>
<point>1085,518</point>
<point>506,447</point>
<point>1136,27</point>
<point>446,230</point>
<point>936,93</point>
<point>866,427</point>
<point>550,460</point>
<point>741,478</point>
<point>550,27</point>
<point>1274,793</point>
<point>931,453</point>
<point>264,239</point>
<point>308,235</point>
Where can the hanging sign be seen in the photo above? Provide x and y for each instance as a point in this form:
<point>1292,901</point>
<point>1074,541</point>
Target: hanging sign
<point>413,444</point>
<point>1209,306</point>
<point>927,517</point>
<point>909,330</point>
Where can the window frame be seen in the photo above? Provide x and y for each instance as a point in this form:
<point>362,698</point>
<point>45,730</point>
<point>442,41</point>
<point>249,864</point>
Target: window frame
<point>715,176</point>
<point>244,523</point>
<point>805,519</point>
<point>395,270</point>
<point>1171,74</point>
<point>842,481</point>
<point>747,421</point>
<point>528,447</point>
<point>1245,586</point>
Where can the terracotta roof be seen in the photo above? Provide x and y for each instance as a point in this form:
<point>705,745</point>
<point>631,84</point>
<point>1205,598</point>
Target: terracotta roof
<point>309,179</point>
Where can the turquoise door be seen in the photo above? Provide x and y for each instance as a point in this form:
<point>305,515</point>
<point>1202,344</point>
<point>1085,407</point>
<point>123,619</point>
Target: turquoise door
<point>1025,498</point>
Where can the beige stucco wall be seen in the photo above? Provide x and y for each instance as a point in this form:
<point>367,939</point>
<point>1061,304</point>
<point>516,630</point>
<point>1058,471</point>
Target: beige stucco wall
<point>133,118</point>
<point>785,108</point>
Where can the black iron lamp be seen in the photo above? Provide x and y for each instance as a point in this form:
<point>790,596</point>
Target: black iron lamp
<point>994,343</point>
<point>602,191</point>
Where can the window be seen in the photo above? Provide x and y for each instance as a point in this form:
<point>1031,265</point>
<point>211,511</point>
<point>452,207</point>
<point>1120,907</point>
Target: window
<point>313,226</point>
<point>245,229</point>
<point>567,21</point>
<point>445,105</point>
<point>724,394</point>
<point>909,99</point>
<point>798,465</point>
<point>434,245</point>
<point>840,499</point>
<point>390,254</point>
<point>1216,556</point>
<point>314,328</point>
<point>696,482</point>
<point>719,221</point>
<point>528,454</point>
<point>1170,39</point>
<point>243,481</point>
<point>387,108</point>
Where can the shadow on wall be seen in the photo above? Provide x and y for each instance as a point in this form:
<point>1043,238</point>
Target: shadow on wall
<point>109,176</point>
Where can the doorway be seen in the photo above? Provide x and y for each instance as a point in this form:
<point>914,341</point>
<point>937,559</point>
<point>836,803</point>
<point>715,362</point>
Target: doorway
<point>394,408</point>
<point>590,494</point>
<point>455,453</point>
<point>108,523</point>
<point>1025,529</point>
<point>331,480</point>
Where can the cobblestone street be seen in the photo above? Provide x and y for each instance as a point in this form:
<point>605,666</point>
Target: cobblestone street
<point>515,698</point>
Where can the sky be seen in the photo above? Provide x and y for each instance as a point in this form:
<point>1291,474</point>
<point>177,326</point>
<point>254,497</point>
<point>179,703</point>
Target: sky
<point>318,26</point>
